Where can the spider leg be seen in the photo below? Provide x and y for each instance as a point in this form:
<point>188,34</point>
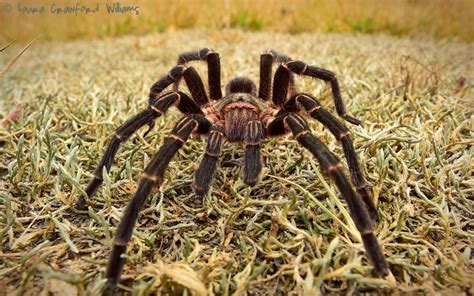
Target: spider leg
<point>332,167</point>
<point>342,134</point>
<point>157,107</point>
<point>282,78</point>
<point>265,83</point>
<point>253,162</point>
<point>151,177</point>
<point>193,81</point>
<point>213,67</point>
<point>207,167</point>
<point>158,104</point>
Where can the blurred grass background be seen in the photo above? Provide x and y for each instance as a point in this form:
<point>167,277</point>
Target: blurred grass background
<point>444,19</point>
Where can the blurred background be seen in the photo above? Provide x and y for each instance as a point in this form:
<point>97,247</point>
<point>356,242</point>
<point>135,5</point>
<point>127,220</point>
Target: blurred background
<point>22,20</point>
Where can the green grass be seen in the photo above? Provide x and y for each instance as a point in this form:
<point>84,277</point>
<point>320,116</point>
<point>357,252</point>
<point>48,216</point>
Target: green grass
<point>289,234</point>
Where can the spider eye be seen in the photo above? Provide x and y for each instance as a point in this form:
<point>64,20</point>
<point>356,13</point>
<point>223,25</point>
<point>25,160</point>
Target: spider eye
<point>240,99</point>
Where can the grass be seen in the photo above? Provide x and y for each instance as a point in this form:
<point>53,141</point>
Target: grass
<point>289,234</point>
<point>451,19</point>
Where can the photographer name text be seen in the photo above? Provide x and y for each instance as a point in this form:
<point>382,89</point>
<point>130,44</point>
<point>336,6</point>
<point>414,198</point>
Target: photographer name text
<point>79,8</point>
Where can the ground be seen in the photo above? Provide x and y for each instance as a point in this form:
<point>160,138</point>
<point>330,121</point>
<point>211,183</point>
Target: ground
<point>290,234</point>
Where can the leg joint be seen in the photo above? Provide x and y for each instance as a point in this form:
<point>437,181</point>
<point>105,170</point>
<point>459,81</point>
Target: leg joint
<point>317,107</point>
<point>343,134</point>
<point>297,67</point>
<point>333,168</point>
<point>152,178</point>
<point>301,133</point>
<point>176,72</point>
<point>157,110</point>
<point>176,137</point>
<point>268,52</point>
<point>98,177</point>
<point>205,52</point>
<point>118,136</point>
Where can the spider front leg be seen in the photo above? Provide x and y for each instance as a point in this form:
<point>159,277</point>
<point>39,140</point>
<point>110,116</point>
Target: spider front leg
<point>282,78</point>
<point>332,168</point>
<point>159,104</point>
<point>213,69</point>
<point>193,81</point>
<point>265,83</point>
<point>343,135</point>
<point>152,177</point>
<point>157,107</point>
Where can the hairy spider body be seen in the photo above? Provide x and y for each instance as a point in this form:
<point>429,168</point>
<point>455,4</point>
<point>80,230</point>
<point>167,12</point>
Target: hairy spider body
<point>242,115</point>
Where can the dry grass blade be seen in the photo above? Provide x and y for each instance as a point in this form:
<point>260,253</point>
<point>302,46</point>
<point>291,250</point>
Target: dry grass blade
<point>180,273</point>
<point>15,59</point>
<point>7,45</point>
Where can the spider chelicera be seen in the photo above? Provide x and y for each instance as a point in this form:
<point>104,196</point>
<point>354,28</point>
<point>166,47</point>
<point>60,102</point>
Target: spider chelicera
<point>240,115</point>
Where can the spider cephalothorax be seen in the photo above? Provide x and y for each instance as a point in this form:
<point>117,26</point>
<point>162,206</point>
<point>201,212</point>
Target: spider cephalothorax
<point>234,111</point>
<point>242,115</point>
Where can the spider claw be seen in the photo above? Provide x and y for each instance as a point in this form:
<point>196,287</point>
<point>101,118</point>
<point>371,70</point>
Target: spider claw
<point>81,203</point>
<point>200,191</point>
<point>109,288</point>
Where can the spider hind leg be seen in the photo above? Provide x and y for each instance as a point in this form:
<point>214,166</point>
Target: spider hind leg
<point>151,177</point>
<point>332,168</point>
<point>343,135</point>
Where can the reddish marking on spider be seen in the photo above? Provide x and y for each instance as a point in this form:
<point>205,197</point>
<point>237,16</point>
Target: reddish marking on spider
<point>156,110</point>
<point>302,133</point>
<point>344,134</point>
<point>332,168</point>
<point>211,113</point>
<point>177,138</point>
<point>154,179</point>
<point>314,109</point>
<point>119,137</point>
<point>246,105</point>
<point>268,115</point>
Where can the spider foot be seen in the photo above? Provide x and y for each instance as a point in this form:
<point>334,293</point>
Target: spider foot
<point>200,191</point>
<point>81,203</point>
<point>110,288</point>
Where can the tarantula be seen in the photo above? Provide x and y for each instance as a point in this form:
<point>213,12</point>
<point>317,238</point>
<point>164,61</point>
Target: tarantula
<point>240,115</point>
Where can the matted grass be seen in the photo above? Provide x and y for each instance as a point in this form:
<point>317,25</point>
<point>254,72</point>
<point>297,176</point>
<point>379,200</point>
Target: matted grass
<point>290,233</point>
